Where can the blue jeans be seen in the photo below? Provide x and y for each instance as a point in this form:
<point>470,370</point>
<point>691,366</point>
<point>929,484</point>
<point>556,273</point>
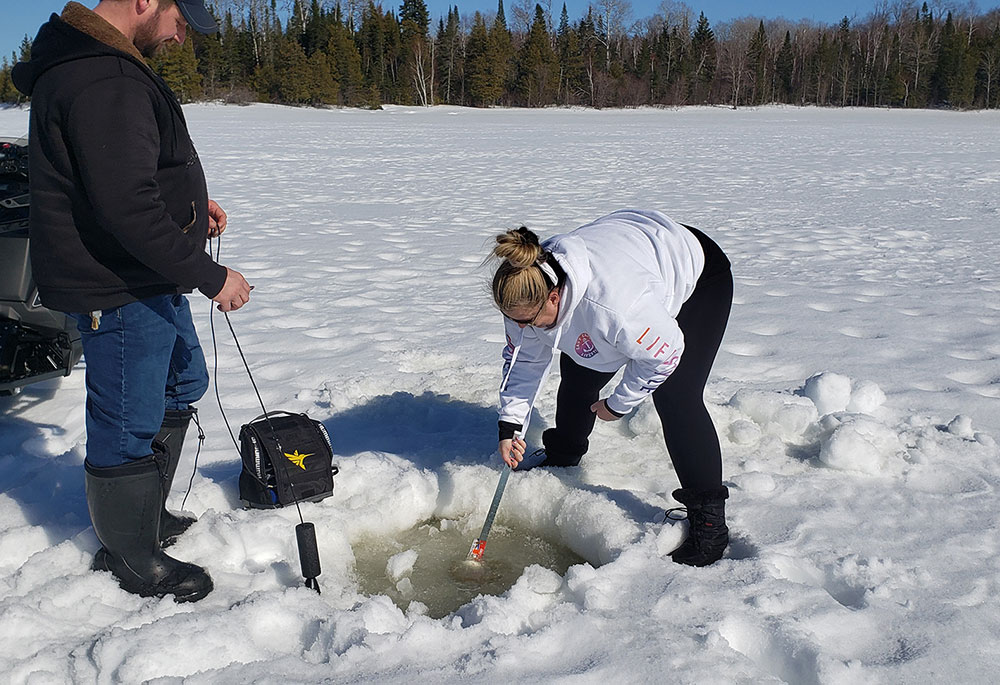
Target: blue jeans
<point>143,359</point>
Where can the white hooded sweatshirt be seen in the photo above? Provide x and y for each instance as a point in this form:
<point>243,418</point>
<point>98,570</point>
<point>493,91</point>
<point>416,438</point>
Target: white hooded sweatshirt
<point>627,275</point>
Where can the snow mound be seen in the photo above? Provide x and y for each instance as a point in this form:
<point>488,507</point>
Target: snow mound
<point>863,444</point>
<point>832,392</point>
<point>834,422</point>
<point>783,414</point>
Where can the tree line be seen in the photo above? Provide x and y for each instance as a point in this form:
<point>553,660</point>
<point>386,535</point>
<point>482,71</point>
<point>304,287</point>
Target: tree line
<point>356,53</point>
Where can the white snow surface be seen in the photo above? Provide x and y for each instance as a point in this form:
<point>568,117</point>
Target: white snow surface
<point>857,397</point>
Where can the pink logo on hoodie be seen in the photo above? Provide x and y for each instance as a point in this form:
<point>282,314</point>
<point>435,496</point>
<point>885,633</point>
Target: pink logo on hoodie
<point>585,346</point>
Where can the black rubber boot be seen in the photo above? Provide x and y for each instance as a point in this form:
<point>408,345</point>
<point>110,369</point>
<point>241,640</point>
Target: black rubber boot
<point>708,534</point>
<point>171,436</point>
<point>125,504</point>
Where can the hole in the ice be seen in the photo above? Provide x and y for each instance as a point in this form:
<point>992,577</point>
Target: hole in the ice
<point>425,564</point>
<point>741,549</point>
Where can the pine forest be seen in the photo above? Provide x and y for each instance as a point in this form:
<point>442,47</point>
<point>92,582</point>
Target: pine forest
<point>358,53</point>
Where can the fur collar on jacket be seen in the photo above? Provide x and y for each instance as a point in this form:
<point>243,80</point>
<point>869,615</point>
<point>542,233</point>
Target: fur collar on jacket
<point>98,28</point>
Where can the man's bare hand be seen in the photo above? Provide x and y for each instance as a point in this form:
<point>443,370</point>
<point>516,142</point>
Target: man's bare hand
<point>217,220</point>
<point>235,292</point>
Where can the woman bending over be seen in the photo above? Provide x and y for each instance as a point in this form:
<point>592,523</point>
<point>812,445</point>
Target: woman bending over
<point>633,289</point>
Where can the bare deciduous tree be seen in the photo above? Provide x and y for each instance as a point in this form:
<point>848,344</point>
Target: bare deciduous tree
<point>613,15</point>
<point>734,40</point>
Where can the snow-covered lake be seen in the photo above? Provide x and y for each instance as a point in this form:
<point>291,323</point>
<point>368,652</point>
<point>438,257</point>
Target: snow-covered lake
<point>857,396</point>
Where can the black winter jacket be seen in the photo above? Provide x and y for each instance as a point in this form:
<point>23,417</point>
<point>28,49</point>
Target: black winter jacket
<point>119,206</point>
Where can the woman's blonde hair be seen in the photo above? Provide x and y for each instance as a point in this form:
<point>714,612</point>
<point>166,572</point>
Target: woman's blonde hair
<point>519,280</point>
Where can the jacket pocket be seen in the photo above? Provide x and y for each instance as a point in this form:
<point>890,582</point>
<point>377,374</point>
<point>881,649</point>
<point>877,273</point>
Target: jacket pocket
<point>194,218</point>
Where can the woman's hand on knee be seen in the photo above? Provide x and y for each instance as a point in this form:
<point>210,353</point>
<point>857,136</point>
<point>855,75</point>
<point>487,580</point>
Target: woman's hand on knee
<point>512,451</point>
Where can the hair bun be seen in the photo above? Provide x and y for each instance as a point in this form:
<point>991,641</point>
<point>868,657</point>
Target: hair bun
<point>520,247</point>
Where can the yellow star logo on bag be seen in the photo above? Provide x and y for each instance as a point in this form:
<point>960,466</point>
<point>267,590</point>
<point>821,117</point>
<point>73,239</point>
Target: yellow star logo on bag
<point>298,459</point>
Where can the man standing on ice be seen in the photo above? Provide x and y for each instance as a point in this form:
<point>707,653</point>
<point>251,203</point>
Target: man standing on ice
<point>119,220</point>
<point>633,289</point>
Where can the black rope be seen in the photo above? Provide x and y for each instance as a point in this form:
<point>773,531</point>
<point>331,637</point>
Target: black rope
<point>667,514</point>
<point>215,353</point>
<point>201,441</point>
<point>267,417</point>
<point>308,553</point>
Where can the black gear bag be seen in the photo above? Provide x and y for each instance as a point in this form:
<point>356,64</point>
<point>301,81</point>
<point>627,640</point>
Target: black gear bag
<point>287,458</point>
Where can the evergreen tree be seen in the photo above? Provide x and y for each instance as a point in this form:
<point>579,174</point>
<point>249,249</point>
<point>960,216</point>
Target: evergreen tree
<point>371,45</point>
<point>893,85</point>
<point>395,90</point>
<point>418,58</point>
<point>24,52</point>
<point>8,93</point>
<point>914,58</point>
<point>953,81</point>
<point>292,84</point>
<point>572,75</point>
<point>927,20</point>
<point>232,60</point>
<point>414,11</point>
<point>919,46</point>
<point>322,81</point>
<point>345,61</point>
<point>178,67</point>
<point>538,76</point>
<point>501,52</point>
<point>820,68</point>
<point>784,67</point>
<point>757,61</point>
<point>589,44</point>
<point>208,51</point>
<point>640,56</point>
<point>668,51</point>
<point>379,44</point>
<point>482,85</point>
<point>674,59</point>
<point>316,34</point>
<point>602,37</point>
<point>297,23</point>
<point>844,74</point>
<point>449,56</point>
<point>500,20</point>
<point>264,27</point>
<point>703,59</point>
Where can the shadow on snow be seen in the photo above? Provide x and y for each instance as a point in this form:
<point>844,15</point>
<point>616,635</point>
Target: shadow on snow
<point>427,429</point>
<point>48,489</point>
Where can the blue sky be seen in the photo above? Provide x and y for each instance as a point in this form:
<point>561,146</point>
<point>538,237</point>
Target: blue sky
<point>18,17</point>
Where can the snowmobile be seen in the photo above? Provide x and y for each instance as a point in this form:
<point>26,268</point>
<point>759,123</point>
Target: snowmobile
<point>35,343</point>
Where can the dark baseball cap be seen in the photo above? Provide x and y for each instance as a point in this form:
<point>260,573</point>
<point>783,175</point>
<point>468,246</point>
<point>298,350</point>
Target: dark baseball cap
<point>197,16</point>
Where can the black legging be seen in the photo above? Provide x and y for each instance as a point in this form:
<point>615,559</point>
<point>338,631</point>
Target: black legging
<point>688,430</point>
